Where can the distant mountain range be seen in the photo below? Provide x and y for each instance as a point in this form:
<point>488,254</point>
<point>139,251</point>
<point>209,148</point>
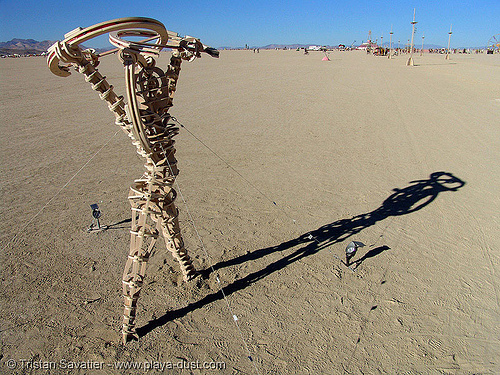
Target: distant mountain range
<point>401,45</point>
<point>24,46</point>
<point>279,46</point>
<point>291,46</point>
<point>427,46</point>
<point>28,46</point>
<point>385,44</point>
<point>31,46</point>
<point>295,46</point>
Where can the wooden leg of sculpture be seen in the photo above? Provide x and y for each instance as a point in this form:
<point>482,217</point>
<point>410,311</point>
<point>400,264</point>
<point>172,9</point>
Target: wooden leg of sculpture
<point>142,241</point>
<point>153,201</point>
<point>173,239</point>
<point>170,221</point>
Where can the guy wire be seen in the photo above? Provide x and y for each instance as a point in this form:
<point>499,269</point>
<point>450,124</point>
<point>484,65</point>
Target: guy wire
<point>235,319</point>
<point>232,168</point>
<point>58,192</point>
<point>311,236</point>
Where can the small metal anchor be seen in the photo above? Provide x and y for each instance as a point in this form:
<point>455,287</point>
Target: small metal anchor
<point>96,214</point>
<point>350,251</point>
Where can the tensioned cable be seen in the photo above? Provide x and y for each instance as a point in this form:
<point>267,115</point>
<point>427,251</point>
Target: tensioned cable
<point>230,166</point>
<point>311,236</point>
<point>58,192</point>
<point>221,289</point>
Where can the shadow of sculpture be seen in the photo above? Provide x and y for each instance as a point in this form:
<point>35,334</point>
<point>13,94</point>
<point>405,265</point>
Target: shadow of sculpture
<point>370,254</point>
<point>404,201</point>
<point>118,225</point>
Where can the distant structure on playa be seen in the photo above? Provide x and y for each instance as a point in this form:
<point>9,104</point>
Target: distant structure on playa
<point>494,44</point>
<point>145,119</point>
<point>410,59</point>
<point>367,46</point>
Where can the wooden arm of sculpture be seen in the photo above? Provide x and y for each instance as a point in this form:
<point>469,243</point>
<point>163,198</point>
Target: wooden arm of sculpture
<point>65,50</point>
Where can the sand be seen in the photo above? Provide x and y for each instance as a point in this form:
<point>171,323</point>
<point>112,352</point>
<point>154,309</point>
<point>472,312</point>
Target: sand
<point>403,159</point>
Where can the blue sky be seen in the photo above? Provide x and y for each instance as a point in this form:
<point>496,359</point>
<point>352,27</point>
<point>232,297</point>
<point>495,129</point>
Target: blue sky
<point>257,23</point>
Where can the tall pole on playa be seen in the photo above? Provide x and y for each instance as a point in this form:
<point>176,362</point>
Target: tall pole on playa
<point>448,50</point>
<point>390,44</point>
<point>422,50</point>
<point>410,60</point>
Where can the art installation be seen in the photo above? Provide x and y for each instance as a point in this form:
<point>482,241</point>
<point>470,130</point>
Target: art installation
<point>494,44</point>
<point>146,121</point>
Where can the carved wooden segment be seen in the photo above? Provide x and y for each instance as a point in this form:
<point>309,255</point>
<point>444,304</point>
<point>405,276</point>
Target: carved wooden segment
<point>142,241</point>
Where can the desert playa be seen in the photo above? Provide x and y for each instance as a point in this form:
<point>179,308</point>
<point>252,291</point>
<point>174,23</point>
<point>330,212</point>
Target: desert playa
<point>304,157</point>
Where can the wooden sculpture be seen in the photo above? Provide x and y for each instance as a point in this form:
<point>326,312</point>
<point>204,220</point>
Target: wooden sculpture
<point>146,121</point>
